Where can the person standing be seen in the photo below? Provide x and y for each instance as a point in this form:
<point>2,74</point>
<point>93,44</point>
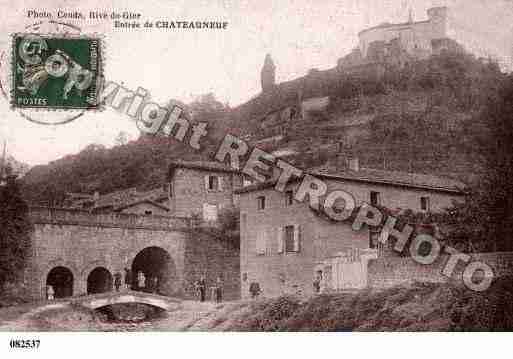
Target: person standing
<point>117,281</point>
<point>219,290</point>
<point>254,289</point>
<point>141,281</point>
<point>155,285</point>
<point>128,278</point>
<point>317,284</point>
<point>50,292</point>
<point>202,288</point>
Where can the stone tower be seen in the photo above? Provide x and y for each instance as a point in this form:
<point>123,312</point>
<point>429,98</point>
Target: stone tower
<point>438,16</point>
<point>267,75</point>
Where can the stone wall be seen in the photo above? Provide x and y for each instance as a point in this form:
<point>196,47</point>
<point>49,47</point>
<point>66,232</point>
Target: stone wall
<point>80,242</point>
<point>390,271</point>
<point>82,248</point>
<point>189,192</point>
<point>209,256</point>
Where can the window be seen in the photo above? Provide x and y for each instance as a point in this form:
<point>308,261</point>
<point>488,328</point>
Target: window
<point>213,183</point>
<point>375,198</point>
<point>424,204</point>
<point>168,189</point>
<point>288,239</point>
<point>261,202</point>
<point>289,198</point>
<point>148,212</point>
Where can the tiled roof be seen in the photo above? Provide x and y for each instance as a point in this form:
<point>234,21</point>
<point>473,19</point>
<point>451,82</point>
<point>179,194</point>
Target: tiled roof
<point>138,201</point>
<point>397,178</point>
<point>374,176</point>
<point>155,194</point>
<point>130,196</point>
<point>203,165</point>
<point>116,198</point>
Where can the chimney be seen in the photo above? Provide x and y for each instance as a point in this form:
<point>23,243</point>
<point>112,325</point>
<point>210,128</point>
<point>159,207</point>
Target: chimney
<point>354,164</point>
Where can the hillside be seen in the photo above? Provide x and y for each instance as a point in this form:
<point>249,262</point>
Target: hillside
<point>422,118</point>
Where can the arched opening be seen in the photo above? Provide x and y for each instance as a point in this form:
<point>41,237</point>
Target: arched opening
<point>99,281</point>
<point>61,280</point>
<point>158,270</point>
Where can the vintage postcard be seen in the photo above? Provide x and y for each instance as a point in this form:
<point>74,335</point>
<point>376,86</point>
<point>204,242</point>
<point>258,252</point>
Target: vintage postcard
<point>225,166</point>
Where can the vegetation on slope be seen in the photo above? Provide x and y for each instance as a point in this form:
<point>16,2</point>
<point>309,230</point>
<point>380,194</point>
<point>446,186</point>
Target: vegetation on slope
<point>419,307</point>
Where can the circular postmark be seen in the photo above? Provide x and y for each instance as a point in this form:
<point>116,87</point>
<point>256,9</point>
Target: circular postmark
<point>55,73</point>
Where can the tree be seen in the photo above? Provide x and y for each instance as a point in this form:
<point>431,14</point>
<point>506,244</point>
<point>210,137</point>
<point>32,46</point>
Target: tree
<point>206,107</point>
<point>488,210</point>
<point>122,138</point>
<point>15,229</point>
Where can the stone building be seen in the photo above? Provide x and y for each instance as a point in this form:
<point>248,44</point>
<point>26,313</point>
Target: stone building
<point>163,232</point>
<point>201,189</point>
<point>198,189</point>
<point>416,38</point>
<point>285,244</point>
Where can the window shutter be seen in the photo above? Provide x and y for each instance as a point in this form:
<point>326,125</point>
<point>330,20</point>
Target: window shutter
<point>210,212</point>
<point>297,238</point>
<point>260,242</point>
<point>206,182</point>
<point>280,239</point>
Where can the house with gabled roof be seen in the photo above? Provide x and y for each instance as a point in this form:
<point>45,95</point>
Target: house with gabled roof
<point>285,245</point>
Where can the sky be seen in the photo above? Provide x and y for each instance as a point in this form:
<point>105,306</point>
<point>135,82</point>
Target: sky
<point>180,64</point>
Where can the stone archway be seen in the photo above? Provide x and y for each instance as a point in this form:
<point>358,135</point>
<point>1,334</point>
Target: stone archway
<point>99,280</point>
<point>61,279</point>
<point>159,271</point>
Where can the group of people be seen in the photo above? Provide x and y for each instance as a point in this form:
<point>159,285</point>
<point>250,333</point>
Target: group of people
<point>201,289</point>
<point>142,282</point>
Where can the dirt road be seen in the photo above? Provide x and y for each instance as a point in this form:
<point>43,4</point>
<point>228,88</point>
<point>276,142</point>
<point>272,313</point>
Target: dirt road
<point>64,316</point>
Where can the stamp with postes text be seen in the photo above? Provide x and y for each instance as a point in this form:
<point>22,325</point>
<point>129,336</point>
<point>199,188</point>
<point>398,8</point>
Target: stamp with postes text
<point>56,71</point>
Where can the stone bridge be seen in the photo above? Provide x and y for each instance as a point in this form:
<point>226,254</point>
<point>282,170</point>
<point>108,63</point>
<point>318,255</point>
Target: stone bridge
<point>78,253</point>
<point>100,300</point>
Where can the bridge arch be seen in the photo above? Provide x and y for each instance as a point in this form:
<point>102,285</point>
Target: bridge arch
<point>159,270</point>
<point>99,280</point>
<point>62,280</point>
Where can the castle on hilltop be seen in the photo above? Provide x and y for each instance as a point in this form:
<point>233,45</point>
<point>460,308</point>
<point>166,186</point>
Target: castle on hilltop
<point>397,44</point>
<point>381,50</point>
<point>416,38</point>
<point>385,45</point>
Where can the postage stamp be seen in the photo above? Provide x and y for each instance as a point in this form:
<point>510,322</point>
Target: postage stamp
<point>55,71</point>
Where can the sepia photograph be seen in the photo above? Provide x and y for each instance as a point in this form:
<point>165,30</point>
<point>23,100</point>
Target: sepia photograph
<point>341,166</point>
